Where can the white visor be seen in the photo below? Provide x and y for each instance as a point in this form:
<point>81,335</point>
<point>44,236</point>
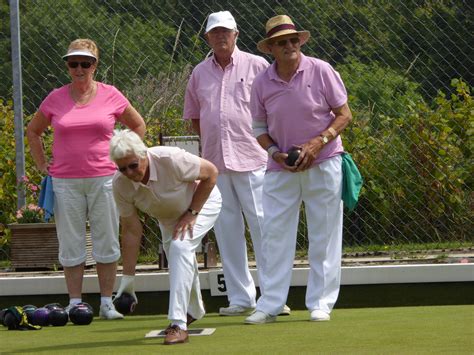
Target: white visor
<point>79,52</point>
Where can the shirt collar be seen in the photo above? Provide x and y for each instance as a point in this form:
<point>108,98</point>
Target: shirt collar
<point>304,64</point>
<point>234,58</point>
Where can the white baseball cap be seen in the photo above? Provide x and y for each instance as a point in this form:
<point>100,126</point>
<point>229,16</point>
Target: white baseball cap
<point>81,52</point>
<point>221,19</point>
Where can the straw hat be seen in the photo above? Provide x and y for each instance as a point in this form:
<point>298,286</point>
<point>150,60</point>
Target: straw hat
<point>277,26</point>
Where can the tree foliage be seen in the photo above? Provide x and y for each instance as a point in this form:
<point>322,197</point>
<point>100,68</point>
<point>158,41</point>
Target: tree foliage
<point>429,41</point>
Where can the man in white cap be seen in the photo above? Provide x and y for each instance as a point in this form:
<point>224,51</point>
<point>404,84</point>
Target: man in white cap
<point>217,101</point>
<point>299,102</point>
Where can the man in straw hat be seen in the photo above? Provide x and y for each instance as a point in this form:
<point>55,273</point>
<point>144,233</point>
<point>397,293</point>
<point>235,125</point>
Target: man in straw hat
<point>299,102</point>
<point>217,101</point>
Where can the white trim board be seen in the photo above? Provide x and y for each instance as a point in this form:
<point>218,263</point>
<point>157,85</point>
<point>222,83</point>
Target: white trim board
<point>213,279</point>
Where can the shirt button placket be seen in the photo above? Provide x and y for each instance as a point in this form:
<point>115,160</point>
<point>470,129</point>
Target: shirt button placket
<point>223,116</point>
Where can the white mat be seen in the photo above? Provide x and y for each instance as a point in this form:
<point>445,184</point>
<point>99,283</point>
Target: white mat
<point>192,332</point>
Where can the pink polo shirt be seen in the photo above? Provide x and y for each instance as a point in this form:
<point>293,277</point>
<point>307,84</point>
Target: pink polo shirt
<point>81,133</point>
<point>220,99</point>
<point>299,110</point>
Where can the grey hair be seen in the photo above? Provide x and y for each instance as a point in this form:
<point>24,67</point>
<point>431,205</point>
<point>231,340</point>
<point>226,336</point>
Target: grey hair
<point>125,143</point>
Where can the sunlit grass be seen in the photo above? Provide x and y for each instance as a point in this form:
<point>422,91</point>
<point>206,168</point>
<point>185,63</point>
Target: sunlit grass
<point>401,330</point>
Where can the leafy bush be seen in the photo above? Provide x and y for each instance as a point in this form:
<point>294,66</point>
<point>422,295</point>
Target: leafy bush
<point>378,91</point>
<point>441,145</point>
<point>8,183</point>
<point>417,170</point>
<point>8,179</point>
<point>160,100</point>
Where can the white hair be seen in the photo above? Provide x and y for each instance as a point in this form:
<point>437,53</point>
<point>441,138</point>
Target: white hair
<point>125,143</point>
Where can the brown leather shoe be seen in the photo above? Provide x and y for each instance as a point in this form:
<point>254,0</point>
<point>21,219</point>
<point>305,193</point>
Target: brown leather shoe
<point>175,335</point>
<point>189,320</point>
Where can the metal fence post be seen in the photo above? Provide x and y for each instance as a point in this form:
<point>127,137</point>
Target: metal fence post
<point>17,97</point>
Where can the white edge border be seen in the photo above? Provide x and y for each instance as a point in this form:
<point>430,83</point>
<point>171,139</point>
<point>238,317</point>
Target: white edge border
<point>159,281</point>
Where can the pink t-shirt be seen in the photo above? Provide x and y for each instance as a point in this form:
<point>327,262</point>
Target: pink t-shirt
<point>299,110</point>
<point>81,133</point>
<point>220,99</point>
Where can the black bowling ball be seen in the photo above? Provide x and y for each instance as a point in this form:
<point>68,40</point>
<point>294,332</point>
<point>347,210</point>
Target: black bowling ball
<point>125,304</point>
<point>58,317</point>
<point>41,317</point>
<point>81,315</point>
<point>52,306</point>
<point>2,316</point>
<point>293,155</point>
<point>11,321</point>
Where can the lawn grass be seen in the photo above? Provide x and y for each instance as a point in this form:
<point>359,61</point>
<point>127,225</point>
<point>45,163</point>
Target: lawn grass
<point>398,330</point>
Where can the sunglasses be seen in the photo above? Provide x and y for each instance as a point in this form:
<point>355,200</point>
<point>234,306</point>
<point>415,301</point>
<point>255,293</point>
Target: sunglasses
<point>85,65</point>
<point>131,166</point>
<point>283,42</point>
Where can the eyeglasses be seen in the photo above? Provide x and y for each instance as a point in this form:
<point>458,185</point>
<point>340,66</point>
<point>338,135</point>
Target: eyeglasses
<point>131,166</point>
<point>283,42</point>
<point>85,65</point>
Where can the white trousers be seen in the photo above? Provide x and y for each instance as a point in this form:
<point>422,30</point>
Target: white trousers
<point>185,290</point>
<point>75,202</point>
<point>241,192</point>
<point>320,189</point>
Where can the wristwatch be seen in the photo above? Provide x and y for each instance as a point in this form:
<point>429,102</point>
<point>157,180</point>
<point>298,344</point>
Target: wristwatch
<point>325,139</point>
<point>193,212</point>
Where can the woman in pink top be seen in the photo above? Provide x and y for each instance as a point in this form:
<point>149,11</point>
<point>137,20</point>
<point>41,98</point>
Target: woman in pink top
<point>83,115</point>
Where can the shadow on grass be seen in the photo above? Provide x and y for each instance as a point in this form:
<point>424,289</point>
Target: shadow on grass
<point>217,321</point>
<point>92,346</point>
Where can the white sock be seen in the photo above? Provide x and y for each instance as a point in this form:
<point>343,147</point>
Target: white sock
<point>105,300</point>
<point>73,301</point>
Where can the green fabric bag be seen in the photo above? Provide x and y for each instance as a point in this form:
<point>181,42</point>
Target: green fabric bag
<point>351,182</point>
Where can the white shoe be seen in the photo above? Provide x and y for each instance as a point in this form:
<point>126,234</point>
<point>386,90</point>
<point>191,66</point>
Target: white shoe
<point>108,311</point>
<point>286,311</point>
<point>259,317</point>
<point>234,310</point>
<point>319,316</point>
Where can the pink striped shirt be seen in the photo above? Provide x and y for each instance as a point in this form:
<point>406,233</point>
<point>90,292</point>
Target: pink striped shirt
<point>299,110</point>
<point>220,99</point>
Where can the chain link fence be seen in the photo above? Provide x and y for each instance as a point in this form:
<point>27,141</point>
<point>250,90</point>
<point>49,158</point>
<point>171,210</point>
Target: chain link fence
<point>408,67</point>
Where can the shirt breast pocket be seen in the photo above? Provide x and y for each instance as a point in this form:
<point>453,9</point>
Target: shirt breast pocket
<point>242,91</point>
